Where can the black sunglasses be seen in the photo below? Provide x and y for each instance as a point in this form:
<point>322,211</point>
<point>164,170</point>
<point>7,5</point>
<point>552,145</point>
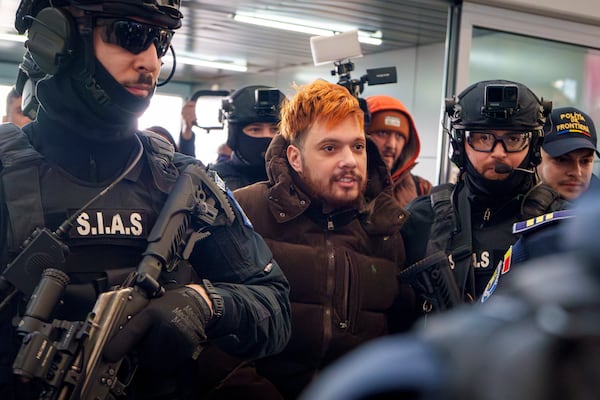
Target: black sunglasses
<point>135,36</point>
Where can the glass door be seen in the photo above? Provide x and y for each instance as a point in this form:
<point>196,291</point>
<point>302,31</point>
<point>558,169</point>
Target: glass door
<point>559,60</point>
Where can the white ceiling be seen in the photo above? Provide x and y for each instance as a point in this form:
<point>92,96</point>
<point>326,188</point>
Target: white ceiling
<point>209,30</point>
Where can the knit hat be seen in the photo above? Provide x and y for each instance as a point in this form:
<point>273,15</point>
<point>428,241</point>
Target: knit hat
<point>390,120</point>
<point>387,115</point>
<point>572,129</point>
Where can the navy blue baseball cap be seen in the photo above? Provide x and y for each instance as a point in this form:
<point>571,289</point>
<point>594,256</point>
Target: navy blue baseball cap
<point>571,129</point>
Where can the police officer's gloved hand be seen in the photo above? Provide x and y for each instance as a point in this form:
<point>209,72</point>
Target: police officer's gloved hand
<point>170,328</point>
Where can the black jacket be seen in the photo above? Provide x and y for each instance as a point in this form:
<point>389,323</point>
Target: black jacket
<point>256,317</point>
<point>490,229</point>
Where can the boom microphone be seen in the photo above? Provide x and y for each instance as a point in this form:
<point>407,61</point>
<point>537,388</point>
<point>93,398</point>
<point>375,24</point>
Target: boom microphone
<point>506,169</point>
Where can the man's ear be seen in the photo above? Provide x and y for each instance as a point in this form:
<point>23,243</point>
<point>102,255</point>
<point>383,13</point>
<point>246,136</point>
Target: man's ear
<point>294,156</point>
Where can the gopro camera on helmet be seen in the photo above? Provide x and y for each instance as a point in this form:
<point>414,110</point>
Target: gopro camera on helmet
<point>500,101</point>
<point>496,104</point>
<point>251,104</point>
<point>267,102</point>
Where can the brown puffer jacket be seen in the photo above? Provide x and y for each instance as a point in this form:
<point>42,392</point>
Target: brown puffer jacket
<point>341,267</point>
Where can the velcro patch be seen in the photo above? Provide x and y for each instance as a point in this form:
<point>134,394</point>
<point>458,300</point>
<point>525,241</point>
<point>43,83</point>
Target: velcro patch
<point>110,223</point>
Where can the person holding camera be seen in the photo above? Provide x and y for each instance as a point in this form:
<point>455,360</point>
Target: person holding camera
<point>83,171</point>
<point>251,115</point>
<point>187,137</point>
<point>328,214</point>
<point>496,131</point>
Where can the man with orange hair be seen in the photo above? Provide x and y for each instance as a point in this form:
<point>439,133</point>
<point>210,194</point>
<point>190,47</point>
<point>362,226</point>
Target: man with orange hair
<point>394,132</point>
<point>328,214</point>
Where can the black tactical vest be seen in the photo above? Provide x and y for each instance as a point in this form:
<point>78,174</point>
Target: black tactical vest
<point>474,253</point>
<point>106,239</point>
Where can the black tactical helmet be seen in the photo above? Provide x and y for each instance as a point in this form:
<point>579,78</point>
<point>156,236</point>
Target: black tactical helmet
<point>163,13</point>
<point>252,104</point>
<point>496,104</point>
<point>160,12</point>
<point>249,104</point>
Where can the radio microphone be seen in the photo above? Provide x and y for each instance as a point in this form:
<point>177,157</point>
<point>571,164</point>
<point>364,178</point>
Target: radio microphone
<point>506,169</point>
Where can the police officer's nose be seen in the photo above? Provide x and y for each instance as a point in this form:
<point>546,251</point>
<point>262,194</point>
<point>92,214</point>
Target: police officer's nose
<point>498,149</point>
<point>147,60</point>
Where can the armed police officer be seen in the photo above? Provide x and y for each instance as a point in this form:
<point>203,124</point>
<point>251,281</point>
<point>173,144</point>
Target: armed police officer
<point>568,156</point>
<point>496,130</point>
<point>252,117</point>
<point>84,171</point>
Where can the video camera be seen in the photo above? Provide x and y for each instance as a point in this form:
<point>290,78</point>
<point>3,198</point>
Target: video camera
<point>267,101</point>
<point>339,49</point>
<point>500,101</point>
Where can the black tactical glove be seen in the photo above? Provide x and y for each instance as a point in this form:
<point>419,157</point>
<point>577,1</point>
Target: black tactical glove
<point>170,328</point>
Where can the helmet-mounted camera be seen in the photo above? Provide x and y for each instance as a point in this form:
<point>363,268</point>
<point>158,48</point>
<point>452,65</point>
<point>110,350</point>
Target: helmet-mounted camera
<point>500,101</point>
<point>496,105</point>
<point>252,104</point>
<point>267,102</point>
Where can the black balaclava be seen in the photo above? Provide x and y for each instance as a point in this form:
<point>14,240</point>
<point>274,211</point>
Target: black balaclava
<point>102,111</point>
<point>517,183</point>
<point>243,108</point>
<point>249,150</point>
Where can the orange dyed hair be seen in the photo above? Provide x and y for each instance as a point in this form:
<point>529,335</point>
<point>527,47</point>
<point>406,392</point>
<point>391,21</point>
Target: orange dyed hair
<point>317,101</point>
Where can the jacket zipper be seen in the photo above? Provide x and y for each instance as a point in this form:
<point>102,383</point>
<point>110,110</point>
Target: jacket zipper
<point>328,309</point>
<point>345,320</point>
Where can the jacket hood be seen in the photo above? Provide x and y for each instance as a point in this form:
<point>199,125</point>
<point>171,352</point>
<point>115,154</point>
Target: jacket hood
<point>407,159</point>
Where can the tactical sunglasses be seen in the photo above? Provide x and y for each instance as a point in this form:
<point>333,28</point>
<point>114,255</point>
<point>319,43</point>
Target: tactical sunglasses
<point>513,142</point>
<point>135,36</point>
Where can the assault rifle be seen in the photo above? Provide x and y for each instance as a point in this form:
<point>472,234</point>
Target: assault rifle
<point>433,280</point>
<point>66,357</point>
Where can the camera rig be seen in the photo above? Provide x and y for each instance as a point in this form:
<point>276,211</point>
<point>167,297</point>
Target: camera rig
<point>376,76</point>
<point>339,49</point>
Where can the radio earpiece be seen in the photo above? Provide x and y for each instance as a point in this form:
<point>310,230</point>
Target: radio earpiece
<point>50,39</point>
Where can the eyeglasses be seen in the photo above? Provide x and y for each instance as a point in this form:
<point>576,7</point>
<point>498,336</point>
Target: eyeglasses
<point>486,141</point>
<point>134,36</point>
